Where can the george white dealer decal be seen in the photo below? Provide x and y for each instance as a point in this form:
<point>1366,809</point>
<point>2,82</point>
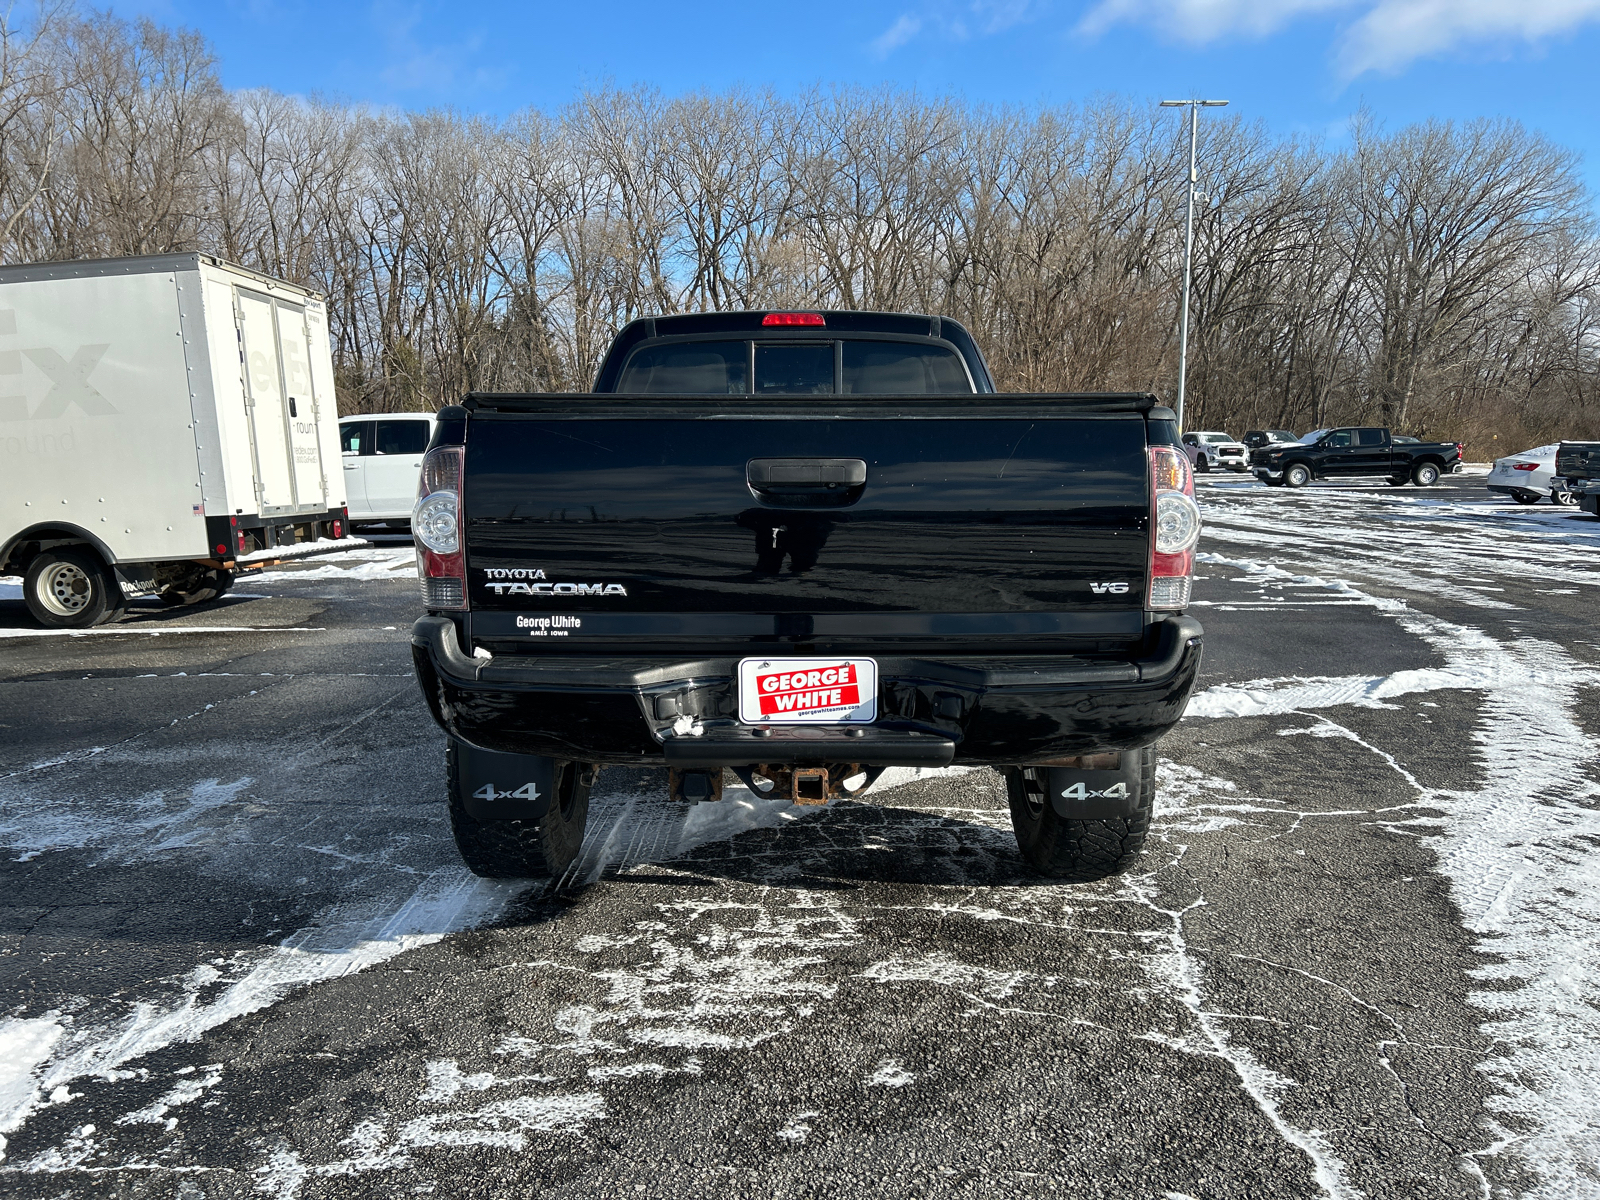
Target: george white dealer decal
<point>516,581</point>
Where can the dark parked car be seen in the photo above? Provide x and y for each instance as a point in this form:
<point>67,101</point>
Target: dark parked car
<point>1353,453</point>
<point>1257,438</point>
<point>1578,472</point>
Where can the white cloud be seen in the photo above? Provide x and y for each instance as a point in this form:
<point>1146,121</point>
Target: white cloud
<point>1204,20</point>
<point>957,21</point>
<point>1393,33</point>
<point>1386,36</point>
<point>897,35</point>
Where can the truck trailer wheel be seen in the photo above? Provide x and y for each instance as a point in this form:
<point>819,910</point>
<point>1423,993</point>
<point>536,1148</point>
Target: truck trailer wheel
<point>1078,850</point>
<point>70,588</point>
<point>511,849</point>
<point>1426,475</point>
<point>1297,475</point>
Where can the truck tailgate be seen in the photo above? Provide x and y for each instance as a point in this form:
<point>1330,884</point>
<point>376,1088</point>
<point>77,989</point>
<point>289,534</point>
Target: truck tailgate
<point>648,523</point>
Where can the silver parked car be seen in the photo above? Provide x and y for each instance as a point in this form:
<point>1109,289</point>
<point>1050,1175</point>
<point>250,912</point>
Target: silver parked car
<point>1217,451</point>
<point>1526,477</point>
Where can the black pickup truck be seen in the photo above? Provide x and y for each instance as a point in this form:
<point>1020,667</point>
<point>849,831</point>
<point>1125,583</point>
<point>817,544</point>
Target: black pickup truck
<point>1577,470</point>
<point>803,548</point>
<point>1353,453</point>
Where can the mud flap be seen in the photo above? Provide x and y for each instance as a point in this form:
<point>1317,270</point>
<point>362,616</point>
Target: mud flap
<point>505,787</point>
<point>1099,793</point>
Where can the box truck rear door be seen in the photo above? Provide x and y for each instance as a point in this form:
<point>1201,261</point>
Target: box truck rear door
<point>269,414</point>
<point>310,486</point>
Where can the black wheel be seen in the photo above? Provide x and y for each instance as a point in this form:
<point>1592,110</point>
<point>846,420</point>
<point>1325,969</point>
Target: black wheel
<point>1202,464</point>
<point>71,588</point>
<point>1525,497</point>
<point>1426,475</point>
<point>1397,481</point>
<point>1079,850</point>
<point>1565,499</point>
<point>541,849</point>
<point>206,583</point>
<point>1297,475</point>
<point>1273,482</point>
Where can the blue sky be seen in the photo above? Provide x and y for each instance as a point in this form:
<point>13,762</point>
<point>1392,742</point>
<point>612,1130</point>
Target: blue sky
<point>1298,65</point>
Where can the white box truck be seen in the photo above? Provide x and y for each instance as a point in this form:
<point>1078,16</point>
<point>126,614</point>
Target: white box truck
<point>160,417</point>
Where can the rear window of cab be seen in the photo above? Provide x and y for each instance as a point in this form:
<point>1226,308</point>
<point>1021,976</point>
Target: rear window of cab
<point>846,366</point>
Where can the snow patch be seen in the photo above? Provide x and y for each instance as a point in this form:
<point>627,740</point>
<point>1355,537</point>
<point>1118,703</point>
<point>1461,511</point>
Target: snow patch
<point>445,1080</point>
<point>305,549</point>
<point>942,970</point>
<point>369,564</point>
<point>25,1045</point>
<point>153,824</point>
<point>889,1073</point>
<point>798,1128</point>
<point>1520,857</point>
<point>447,901</point>
<point>379,1145</point>
<point>187,1091</point>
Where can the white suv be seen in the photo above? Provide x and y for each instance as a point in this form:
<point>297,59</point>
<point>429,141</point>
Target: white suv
<point>382,463</point>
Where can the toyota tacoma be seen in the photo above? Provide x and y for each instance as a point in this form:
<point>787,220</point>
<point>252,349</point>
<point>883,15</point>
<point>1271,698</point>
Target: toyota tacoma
<point>798,549</point>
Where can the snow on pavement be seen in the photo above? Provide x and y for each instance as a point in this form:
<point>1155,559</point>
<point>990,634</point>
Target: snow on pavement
<point>1520,852</point>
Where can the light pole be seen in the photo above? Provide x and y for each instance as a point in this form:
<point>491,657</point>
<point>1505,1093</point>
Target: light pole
<point>1194,107</point>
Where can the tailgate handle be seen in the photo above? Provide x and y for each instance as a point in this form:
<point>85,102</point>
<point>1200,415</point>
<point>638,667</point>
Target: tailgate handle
<point>807,481</point>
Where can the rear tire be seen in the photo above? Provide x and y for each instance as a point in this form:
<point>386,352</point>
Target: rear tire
<point>542,849</point>
<point>1202,464</point>
<point>1425,475</point>
<point>1296,475</point>
<point>1078,850</point>
<point>1397,481</point>
<point>1525,497</point>
<point>1565,499</point>
<point>71,588</point>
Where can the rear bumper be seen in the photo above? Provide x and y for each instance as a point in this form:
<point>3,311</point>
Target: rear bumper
<point>973,710</point>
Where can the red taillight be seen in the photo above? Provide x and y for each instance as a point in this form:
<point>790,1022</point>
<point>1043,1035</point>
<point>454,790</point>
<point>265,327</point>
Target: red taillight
<point>222,548</point>
<point>436,527</point>
<point>793,319</point>
<point>336,528</point>
<point>1525,466</point>
<point>1174,528</point>
<point>244,544</point>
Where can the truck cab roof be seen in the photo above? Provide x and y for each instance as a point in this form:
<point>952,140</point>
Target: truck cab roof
<point>794,353</point>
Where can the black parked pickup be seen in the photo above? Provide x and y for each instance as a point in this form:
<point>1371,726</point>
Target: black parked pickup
<point>1578,471</point>
<point>1354,453</point>
<point>802,548</point>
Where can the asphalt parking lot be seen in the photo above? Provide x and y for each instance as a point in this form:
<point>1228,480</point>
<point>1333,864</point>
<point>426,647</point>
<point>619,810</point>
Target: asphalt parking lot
<point>1361,957</point>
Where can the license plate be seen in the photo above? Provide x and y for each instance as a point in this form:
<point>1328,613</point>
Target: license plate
<point>808,691</point>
